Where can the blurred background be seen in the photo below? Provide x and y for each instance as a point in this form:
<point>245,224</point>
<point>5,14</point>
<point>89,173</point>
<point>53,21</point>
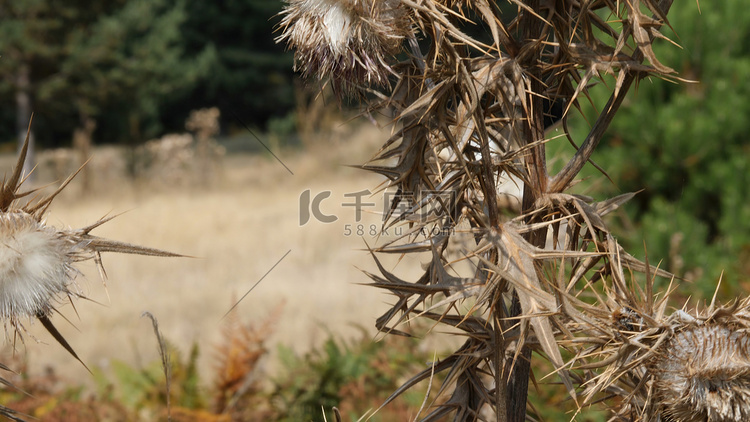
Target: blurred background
<point>199,130</point>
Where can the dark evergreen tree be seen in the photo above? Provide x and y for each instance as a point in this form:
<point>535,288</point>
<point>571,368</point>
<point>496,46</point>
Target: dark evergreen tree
<point>72,62</point>
<point>687,144</point>
<point>251,76</point>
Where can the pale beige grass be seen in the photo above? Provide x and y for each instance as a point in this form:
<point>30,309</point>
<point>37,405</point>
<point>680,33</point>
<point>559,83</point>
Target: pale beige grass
<point>236,232</point>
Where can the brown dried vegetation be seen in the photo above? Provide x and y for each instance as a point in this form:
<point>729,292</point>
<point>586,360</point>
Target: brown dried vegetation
<point>468,113</point>
<point>239,370</point>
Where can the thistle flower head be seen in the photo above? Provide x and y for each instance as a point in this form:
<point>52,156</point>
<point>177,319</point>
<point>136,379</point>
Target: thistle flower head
<point>703,372</point>
<point>704,375</point>
<point>347,40</point>
<point>687,366</point>
<point>37,260</point>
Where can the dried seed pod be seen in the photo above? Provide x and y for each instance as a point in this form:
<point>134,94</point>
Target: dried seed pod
<point>347,40</point>
<point>703,375</point>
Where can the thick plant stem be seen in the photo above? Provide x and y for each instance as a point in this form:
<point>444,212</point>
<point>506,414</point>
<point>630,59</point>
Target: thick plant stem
<point>536,166</point>
<point>518,382</point>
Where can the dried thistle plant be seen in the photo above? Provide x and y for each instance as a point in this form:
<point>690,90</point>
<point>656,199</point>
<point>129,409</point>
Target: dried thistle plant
<point>37,261</point>
<point>469,116</point>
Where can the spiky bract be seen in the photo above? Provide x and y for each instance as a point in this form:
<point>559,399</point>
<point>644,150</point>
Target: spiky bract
<point>703,372</point>
<point>683,367</point>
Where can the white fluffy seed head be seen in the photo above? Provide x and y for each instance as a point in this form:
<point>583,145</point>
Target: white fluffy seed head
<point>349,41</point>
<point>337,22</point>
<point>35,266</point>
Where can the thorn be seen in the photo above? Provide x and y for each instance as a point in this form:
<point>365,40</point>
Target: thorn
<point>44,319</point>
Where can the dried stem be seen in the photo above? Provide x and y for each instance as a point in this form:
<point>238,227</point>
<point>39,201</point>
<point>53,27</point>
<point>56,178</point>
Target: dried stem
<point>563,179</point>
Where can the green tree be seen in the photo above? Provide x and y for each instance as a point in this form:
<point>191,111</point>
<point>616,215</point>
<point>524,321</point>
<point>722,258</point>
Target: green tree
<point>74,61</point>
<point>29,34</point>
<point>251,76</point>
<point>133,59</point>
<point>685,145</point>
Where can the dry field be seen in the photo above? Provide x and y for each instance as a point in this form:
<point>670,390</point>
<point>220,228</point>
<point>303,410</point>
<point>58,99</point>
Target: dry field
<point>235,232</point>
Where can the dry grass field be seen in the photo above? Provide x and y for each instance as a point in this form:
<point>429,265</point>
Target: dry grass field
<point>235,231</point>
